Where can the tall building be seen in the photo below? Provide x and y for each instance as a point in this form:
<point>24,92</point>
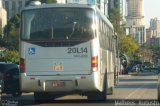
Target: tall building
<point>119,4</point>
<point>3,17</point>
<point>135,22</point>
<point>148,36</point>
<point>0,3</point>
<point>113,4</point>
<point>13,7</point>
<point>155,41</point>
<point>101,4</point>
<point>153,33</point>
<point>155,27</point>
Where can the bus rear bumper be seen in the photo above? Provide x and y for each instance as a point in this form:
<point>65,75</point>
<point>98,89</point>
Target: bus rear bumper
<point>81,83</point>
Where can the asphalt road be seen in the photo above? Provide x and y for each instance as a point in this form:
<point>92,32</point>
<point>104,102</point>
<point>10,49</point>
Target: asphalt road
<point>134,90</point>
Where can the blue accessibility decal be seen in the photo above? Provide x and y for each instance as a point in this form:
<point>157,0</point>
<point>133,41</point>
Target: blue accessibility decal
<point>31,51</point>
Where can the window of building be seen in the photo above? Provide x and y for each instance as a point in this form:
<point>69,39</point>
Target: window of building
<point>19,6</point>
<point>13,5</point>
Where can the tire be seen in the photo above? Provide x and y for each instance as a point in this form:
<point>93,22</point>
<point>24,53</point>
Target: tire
<point>99,96</point>
<point>16,94</point>
<point>42,97</point>
<point>110,91</point>
<point>158,93</point>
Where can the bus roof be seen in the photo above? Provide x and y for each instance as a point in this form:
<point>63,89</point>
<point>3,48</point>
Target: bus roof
<point>75,5</point>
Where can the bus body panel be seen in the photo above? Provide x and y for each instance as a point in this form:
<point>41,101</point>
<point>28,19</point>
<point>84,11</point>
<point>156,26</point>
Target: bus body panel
<point>57,60</point>
<point>81,77</point>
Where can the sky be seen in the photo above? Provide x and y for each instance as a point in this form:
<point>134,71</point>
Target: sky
<point>151,10</point>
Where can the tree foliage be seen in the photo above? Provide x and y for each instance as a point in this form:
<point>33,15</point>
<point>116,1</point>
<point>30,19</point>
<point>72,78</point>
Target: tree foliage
<point>10,41</point>
<point>127,44</point>
<point>115,17</point>
<point>10,56</point>
<point>11,37</point>
<point>155,52</point>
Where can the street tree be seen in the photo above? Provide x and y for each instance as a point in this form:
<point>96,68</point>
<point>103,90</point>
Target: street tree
<point>115,17</point>
<point>11,36</point>
<point>10,41</point>
<point>155,52</point>
<point>127,44</point>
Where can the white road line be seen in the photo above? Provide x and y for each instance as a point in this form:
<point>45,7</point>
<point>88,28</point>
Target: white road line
<point>142,93</point>
<point>134,92</point>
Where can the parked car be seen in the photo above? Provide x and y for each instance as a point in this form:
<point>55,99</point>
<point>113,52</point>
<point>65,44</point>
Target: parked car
<point>135,68</point>
<point>9,76</point>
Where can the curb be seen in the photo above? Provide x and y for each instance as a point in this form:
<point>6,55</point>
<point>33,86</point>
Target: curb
<point>123,76</point>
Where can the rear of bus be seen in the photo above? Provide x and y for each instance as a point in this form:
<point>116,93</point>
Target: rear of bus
<point>59,50</point>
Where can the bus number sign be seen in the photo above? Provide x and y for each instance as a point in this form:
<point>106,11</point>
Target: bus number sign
<point>77,50</point>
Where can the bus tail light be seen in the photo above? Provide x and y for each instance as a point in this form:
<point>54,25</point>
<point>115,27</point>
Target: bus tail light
<point>22,65</point>
<point>94,62</point>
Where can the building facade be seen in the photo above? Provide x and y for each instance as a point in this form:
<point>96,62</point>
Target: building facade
<point>155,27</point>
<point>13,7</point>
<point>148,36</point>
<point>155,41</point>
<point>153,33</point>
<point>113,4</point>
<point>135,22</point>
<point>101,4</point>
<point>119,4</point>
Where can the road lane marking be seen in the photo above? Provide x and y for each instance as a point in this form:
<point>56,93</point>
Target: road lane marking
<point>134,91</point>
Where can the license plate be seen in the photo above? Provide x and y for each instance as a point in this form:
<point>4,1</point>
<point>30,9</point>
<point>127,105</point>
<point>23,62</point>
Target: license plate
<point>58,83</point>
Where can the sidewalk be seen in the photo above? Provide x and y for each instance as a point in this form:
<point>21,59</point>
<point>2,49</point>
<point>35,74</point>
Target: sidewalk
<point>128,75</point>
<point>123,76</point>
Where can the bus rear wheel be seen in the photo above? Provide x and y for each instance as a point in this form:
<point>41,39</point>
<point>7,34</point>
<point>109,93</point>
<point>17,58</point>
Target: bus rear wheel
<point>158,93</point>
<point>97,96</point>
<point>16,94</point>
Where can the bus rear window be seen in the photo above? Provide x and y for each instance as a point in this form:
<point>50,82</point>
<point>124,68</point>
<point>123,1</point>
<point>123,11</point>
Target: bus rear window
<point>57,23</point>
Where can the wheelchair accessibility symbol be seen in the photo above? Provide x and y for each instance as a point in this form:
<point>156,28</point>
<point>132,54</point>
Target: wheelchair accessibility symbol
<point>31,51</point>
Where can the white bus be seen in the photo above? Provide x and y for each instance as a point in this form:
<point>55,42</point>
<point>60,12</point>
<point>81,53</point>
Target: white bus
<point>66,49</point>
